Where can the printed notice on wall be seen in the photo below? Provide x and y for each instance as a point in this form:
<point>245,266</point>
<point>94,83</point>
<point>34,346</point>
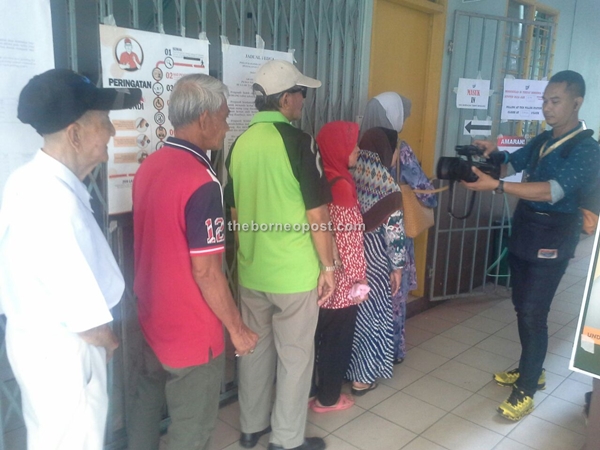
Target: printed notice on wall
<point>240,65</point>
<point>510,144</point>
<point>26,50</point>
<point>472,93</point>
<point>586,350</point>
<point>152,62</point>
<point>522,99</point>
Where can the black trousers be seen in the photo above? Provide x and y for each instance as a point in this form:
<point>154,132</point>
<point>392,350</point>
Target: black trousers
<point>534,286</point>
<point>333,348</point>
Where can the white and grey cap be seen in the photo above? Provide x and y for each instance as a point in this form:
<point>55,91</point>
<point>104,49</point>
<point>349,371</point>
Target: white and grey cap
<point>277,76</point>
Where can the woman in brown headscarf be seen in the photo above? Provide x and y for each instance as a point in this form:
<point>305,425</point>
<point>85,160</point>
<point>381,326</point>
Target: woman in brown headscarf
<point>380,203</point>
<point>389,111</point>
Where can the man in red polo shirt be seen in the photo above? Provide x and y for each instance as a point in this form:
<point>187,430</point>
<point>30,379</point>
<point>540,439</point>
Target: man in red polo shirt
<point>179,239</point>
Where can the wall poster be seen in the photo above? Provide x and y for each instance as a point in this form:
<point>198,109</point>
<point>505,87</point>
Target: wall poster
<point>522,99</point>
<point>152,62</point>
<point>239,69</point>
<point>26,49</point>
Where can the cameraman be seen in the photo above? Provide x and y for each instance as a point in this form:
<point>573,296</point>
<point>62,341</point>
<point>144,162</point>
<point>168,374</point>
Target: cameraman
<point>559,167</point>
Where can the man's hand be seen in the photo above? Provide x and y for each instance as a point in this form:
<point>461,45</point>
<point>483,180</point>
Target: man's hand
<point>395,280</point>
<point>487,146</point>
<point>325,287</point>
<point>483,183</point>
<point>244,340</point>
<point>101,336</point>
<point>215,290</point>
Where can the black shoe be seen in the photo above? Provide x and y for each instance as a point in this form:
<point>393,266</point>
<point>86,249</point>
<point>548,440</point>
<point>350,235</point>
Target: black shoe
<point>362,391</point>
<point>312,443</point>
<point>249,440</point>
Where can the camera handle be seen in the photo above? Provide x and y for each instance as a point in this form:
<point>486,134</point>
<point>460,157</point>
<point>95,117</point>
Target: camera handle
<point>451,198</point>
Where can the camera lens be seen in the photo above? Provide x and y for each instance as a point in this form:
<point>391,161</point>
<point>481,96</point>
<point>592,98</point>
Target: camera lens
<point>455,169</point>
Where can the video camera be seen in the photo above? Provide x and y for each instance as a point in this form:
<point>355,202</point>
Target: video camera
<point>457,168</point>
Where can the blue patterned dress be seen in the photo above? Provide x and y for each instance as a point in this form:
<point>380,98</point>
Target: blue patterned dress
<point>373,349</point>
<point>413,175</point>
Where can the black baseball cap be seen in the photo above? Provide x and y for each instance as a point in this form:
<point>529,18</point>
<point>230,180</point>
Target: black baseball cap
<point>55,99</point>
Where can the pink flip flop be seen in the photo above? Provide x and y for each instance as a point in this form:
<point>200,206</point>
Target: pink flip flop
<point>343,403</point>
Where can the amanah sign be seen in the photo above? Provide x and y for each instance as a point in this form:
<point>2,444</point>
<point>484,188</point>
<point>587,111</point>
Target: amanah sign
<point>510,144</point>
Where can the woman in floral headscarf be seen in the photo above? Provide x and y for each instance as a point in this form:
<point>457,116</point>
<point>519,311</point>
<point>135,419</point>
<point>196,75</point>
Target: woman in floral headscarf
<point>337,317</point>
<point>380,202</point>
<point>389,111</point>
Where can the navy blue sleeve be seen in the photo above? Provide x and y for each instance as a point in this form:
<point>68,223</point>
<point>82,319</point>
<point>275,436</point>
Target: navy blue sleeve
<point>205,224</point>
<point>521,158</point>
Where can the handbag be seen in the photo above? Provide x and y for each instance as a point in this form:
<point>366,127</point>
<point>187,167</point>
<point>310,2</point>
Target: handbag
<point>417,217</point>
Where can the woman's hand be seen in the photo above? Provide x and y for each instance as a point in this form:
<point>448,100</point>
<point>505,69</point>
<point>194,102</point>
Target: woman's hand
<point>359,292</point>
<point>395,280</point>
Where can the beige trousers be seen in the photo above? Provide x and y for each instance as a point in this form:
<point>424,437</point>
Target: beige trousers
<point>284,355</point>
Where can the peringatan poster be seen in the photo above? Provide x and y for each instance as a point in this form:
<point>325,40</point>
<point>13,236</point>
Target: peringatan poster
<point>152,62</point>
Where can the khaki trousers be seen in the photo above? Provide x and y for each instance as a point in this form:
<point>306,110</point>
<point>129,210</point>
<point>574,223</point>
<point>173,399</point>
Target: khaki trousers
<point>285,324</point>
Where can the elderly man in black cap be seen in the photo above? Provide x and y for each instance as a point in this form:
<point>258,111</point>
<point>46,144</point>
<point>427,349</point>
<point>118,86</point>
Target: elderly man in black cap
<point>58,277</point>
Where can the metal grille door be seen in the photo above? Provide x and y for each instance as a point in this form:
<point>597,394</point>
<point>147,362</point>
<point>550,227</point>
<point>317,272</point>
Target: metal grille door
<point>331,39</point>
<point>470,254</point>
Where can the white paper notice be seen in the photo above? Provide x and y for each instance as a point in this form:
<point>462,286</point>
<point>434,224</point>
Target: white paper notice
<point>240,65</point>
<point>472,93</point>
<point>26,50</point>
<point>510,144</point>
<point>523,99</point>
<point>152,62</point>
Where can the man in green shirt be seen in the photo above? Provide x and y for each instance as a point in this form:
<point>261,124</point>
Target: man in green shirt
<point>279,194</point>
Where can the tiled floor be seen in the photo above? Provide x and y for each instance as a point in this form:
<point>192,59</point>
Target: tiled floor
<point>442,396</point>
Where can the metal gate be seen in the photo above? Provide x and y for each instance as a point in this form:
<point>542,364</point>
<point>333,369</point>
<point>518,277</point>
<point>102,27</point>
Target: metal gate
<point>331,39</point>
<point>469,254</point>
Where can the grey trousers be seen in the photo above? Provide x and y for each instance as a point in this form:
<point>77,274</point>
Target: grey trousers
<point>192,397</point>
<point>285,324</point>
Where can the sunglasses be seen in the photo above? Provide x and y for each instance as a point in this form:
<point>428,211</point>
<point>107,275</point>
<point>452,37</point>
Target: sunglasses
<point>302,89</point>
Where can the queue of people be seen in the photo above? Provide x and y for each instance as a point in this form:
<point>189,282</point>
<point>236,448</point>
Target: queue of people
<point>317,309</point>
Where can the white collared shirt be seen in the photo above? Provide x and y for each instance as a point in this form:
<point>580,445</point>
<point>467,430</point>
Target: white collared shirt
<point>56,268</point>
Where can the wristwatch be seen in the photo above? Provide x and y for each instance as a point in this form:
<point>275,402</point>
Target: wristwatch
<point>500,188</point>
<point>328,268</point>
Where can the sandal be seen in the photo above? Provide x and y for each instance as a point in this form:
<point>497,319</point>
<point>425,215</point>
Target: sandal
<point>362,391</point>
<point>343,403</point>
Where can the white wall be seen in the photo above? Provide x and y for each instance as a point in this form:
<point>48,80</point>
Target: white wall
<point>585,58</point>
